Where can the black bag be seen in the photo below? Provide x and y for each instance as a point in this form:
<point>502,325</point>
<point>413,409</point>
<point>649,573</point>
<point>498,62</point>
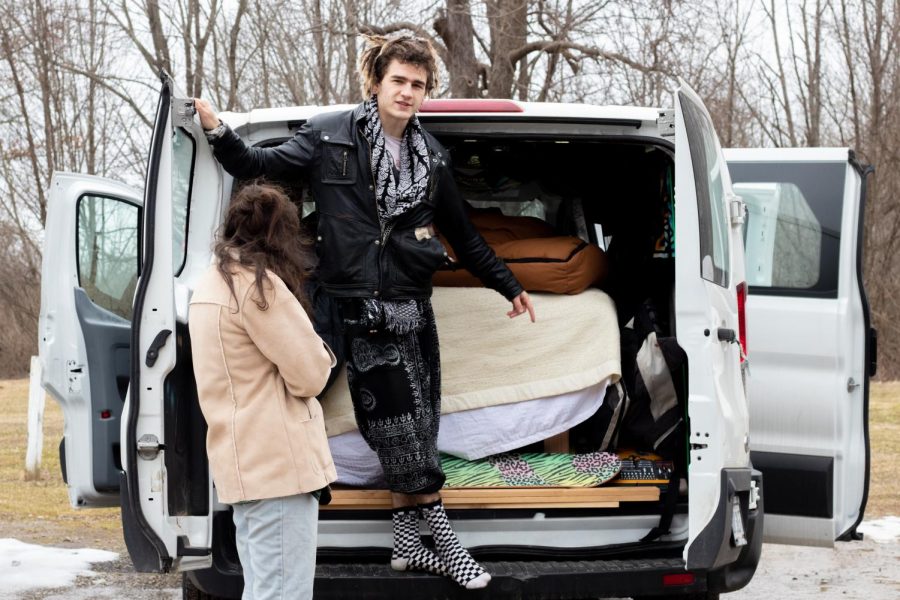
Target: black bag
<point>645,409</point>
<point>654,374</point>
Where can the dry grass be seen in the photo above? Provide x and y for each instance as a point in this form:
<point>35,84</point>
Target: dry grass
<point>39,510</point>
<point>884,432</point>
<point>36,510</point>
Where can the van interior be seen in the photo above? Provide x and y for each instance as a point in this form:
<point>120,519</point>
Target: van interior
<point>614,194</point>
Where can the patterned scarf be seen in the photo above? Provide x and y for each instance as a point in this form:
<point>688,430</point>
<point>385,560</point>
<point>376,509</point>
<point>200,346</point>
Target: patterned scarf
<point>395,197</point>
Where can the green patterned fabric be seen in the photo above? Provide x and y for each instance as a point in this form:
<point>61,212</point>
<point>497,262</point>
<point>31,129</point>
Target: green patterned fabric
<point>531,470</point>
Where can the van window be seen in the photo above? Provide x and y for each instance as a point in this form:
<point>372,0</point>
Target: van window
<point>107,241</point>
<point>183,154</point>
<point>715,258</point>
<point>792,230</point>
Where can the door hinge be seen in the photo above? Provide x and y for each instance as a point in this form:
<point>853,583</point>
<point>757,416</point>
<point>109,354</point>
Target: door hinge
<point>183,112</point>
<point>666,122</point>
<point>737,209</point>
<point>148,446</point>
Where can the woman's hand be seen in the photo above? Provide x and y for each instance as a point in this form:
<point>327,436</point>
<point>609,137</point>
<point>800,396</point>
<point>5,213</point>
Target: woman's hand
<point>521,305</point>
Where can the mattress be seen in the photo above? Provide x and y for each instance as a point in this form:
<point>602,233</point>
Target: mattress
<point>489,360</point>
<point>476,433</point>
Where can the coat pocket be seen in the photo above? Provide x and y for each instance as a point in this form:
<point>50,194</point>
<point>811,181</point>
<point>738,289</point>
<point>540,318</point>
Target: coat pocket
<point>338,164</point>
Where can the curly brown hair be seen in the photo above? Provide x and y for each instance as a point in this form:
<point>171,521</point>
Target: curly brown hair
<point>407,49</point>
<point>262,231</point>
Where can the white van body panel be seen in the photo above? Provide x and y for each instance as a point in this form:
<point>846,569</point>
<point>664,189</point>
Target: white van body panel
<point>808,375</point>
<point>65,374</point>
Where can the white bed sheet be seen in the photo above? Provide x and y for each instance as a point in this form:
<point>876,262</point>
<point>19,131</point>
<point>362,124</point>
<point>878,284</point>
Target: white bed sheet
<point>476,433</point>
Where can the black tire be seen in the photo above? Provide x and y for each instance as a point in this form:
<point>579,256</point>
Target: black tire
<point>190,592</point>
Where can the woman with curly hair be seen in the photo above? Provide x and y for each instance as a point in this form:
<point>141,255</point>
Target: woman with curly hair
<point>259,365</point>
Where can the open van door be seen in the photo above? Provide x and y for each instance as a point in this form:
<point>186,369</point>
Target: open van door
<point>88,275</point>
<point>167,511</point>
<point>812,348</point>
<point>709,275</point>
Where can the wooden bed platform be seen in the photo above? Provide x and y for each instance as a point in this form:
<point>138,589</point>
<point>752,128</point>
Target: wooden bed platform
<point>608,496</point>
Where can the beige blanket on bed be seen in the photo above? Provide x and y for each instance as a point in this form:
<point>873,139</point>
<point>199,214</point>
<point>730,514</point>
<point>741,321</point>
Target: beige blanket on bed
<point>489,359</point>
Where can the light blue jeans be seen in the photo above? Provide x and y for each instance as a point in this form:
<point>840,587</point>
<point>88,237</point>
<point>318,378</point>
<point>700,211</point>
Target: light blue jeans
<point>276,542</point>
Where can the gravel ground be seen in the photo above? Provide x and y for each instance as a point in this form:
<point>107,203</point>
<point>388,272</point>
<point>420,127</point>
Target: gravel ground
<point>865,570</point>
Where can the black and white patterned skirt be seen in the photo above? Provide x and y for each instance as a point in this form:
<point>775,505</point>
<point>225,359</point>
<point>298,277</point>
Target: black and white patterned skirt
<point>395,385</point>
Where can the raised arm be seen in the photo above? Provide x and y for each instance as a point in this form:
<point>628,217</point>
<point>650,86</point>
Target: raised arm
<point>286,162</point>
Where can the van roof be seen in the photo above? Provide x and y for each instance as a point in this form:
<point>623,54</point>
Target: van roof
<point>474,108</point>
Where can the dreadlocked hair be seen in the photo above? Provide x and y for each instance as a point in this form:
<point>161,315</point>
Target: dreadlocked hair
<point>262,231</point>
<point>406,49</point>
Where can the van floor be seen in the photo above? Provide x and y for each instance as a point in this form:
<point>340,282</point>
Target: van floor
<point>608,496</point>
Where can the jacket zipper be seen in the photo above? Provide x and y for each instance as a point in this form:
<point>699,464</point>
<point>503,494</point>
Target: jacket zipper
<point>344,165</point>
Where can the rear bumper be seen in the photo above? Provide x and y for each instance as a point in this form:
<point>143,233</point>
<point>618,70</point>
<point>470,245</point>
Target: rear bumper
<point>534,579</point>
<point>524,580</point>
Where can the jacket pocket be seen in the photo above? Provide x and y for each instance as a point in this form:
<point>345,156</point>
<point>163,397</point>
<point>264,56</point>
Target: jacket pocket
<point>338,164</point>
<point>343,257</point>
<point>415,260</point>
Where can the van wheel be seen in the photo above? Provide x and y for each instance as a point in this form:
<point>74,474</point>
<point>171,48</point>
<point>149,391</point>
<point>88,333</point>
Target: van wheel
<point>190,592</point>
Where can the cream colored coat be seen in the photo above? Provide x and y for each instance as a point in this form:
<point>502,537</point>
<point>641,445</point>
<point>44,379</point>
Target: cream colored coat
<point>258,372</point>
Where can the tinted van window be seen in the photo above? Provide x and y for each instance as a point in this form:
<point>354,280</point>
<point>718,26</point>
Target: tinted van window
<point>715,258</point>
<point>793,226</point>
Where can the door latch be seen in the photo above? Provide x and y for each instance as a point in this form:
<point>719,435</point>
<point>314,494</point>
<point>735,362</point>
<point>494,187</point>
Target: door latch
<point>666,123</point>
<point>183,112</point>
<point>158,342</point>
<point>148,446</point>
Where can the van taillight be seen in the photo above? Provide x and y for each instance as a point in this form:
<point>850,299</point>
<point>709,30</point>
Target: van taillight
<point>678,579</point>
<point>742,320</point>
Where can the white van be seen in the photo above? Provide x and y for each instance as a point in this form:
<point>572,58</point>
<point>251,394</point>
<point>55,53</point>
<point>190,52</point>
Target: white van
<point>120,264</point>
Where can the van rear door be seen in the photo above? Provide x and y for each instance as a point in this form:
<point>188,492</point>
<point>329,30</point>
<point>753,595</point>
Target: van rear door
<point>811,343</point>
<point>167,515</point>
<point>88,275</point>
<point>709,268</point>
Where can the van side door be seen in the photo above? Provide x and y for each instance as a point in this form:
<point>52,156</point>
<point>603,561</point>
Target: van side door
<point>89,272</point>
<point>811,343</point>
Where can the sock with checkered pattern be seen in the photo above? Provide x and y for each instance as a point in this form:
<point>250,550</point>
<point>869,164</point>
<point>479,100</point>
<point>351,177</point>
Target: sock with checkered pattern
<point>409,553</point>
<point>459,563</point>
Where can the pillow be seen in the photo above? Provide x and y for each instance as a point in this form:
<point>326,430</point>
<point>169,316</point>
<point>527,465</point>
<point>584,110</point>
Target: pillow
<point>559,265</point>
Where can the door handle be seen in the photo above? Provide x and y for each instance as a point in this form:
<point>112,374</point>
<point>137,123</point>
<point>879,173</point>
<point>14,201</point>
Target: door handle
<point>158,342</point>
<point>851,385</point>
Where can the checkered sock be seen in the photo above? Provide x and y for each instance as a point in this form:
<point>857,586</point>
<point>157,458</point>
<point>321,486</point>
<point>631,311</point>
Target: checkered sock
<point>459,563</point>
<point>409,553</point>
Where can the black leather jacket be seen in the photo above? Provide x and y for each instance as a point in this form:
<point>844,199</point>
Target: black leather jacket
<point>356,257</point>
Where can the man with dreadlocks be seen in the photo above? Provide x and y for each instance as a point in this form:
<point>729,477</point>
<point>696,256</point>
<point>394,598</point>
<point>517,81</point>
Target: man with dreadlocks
<point>381,185</point>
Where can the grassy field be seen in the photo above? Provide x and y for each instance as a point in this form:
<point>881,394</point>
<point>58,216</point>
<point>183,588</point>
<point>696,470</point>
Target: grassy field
<point>38,511</point>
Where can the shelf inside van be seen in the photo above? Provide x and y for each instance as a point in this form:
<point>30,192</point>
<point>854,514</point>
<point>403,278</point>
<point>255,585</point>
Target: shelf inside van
<point>520,497</point>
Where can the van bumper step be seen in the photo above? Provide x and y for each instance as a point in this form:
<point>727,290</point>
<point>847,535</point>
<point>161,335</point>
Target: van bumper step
<point>521,580</point>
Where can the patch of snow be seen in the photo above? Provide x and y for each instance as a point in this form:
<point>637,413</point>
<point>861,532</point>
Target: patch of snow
<point>884,531</point>
<point>28,566</point>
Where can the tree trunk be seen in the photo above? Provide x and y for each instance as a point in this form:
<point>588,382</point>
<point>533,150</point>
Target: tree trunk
<point>454,26</point>
<point>507,21</point>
